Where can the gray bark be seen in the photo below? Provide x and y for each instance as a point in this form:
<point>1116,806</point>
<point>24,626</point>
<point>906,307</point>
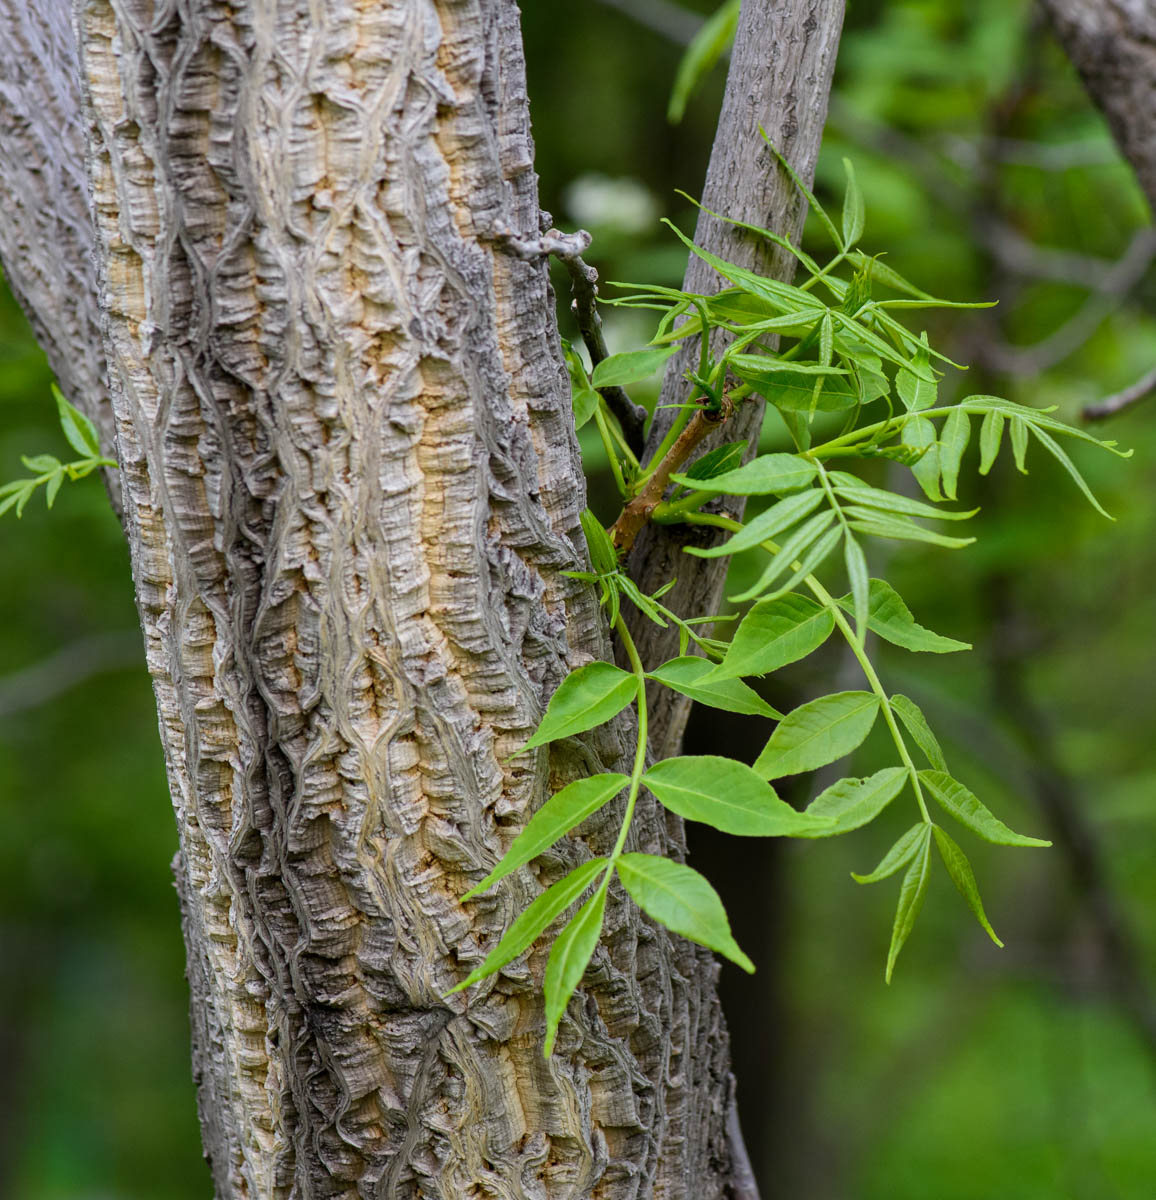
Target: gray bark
<point>779,78</point>
<point>350,482</point>
<point>1113,46</point>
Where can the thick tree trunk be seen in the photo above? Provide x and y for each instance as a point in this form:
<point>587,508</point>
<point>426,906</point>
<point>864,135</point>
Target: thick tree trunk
<point>1113,45</point>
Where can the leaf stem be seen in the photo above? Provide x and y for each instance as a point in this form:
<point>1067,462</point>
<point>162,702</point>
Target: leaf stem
<point>640,749</point>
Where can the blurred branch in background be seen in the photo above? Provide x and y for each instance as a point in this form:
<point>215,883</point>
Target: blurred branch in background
<point>670,21</point>
<point>1144,387</point>
<point>95,654</point>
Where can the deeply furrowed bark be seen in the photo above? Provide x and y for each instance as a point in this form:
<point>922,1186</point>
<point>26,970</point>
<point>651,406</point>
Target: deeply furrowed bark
<point>779,79</point>
<point>1113,46</point>
<point>350,482</point>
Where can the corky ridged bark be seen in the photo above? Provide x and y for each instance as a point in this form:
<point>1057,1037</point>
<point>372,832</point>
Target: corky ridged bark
<point>779,79</point>
<point>1113,45</point>
<point>350,483</point>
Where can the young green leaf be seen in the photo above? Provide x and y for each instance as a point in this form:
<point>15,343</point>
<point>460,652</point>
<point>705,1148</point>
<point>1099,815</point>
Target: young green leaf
<point>916,384</point>
<point>817,733</point>
<point>603,556</point>
<point>773,634</point>
<point>990,436</point>
<point>541,913</point>
<point>856,564</point>
<point>585,698</point>
<point>77,428</point>
<point>916,724</point>
<point>858,492</point>
<point>693,676</point>
<point>794,549</point>
<point>561,813</point>
<point>569,957</point>
<point>851,803</point>
<point>911,894</point>
<point>885,275</point>
<point>816,207</point>
<point>727,795</point>
<point>794,391</point>
<point>722,458</point>
<point>967,809</point>
<point>963,877</point>
<point>891,619</point>
<point>583,398</point>
<point>953,441</point>
<point>678,897</point>
<point>877,524</point>
<point>621,369</point>
<point>898,856</point>
<point>919,434</point>
<point>1018,430</point>
<point>705,49</point>
<point>766,525</point>
<point>765,475</point>
<point>1053,448</point>
<point>854,212</point>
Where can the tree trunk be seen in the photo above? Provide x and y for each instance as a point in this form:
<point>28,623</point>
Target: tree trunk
<point>350,483</point>
<point>1113,45</point>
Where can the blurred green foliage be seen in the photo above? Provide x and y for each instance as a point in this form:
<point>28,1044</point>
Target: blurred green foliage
<point>1020,1073</point>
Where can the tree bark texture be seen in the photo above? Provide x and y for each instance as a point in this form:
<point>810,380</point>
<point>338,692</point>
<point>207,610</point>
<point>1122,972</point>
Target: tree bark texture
<point>350,482</point>
<point>779,79</point>
<point>1113,46</point>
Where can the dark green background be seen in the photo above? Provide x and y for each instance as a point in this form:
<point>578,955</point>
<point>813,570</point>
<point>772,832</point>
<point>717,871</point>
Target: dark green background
<point>979,1073</point>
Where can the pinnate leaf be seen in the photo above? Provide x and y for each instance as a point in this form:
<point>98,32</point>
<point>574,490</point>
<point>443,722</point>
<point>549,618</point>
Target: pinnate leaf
<point>968,810</point>
<point>561,813</point>
<point>585,698</point>
<point>817,733</point>
<point>727,795</point>
<point>678,897</point>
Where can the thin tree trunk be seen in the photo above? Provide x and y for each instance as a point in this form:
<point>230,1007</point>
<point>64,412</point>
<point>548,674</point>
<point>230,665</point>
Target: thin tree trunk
<point>350,482</point>
<point>1113,45</point>
<point>779,79</point>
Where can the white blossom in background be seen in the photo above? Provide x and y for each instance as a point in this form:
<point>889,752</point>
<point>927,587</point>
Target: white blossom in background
<point>624,205</point>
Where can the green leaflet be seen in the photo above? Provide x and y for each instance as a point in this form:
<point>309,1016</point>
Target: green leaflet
<point>808,563</point>
<point>916,385</point>
<point>542,912</point>
<point>561,813</point>
<point>963,877</point>
<point>695,677</point>
<point>1018,430</point>
<point>583,397</point>
<point>706,47</point>
<point>727,795</point>
<point>956,800</point>
<point>569,957</point>
<point>898,856</point>
<point>77,428</point>
<point>716,461</point>
<point>767,474</point>
<point>794,391</point>
<point>678,897</point>
<point>773,634</point>
<point>919,434</point>
<point>911,894</point>
<point>854,210</point>
<point>856,564</point>
<point>587,697</point>
<point>1053,448</point>
<point>953,439</point>
<point>602,553</point>
<point>891,619</point>
<point>817,733</point>
<point>766,525</point>
<point>852,803</point>
<point>884,274</point>
<point>916,724</point>
<point>990,436</point>
<point>903,529</point>
<point>858,492</point>
<point>620,369</point>
<point>794,549</point>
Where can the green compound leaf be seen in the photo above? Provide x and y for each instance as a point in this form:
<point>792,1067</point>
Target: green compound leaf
<point>953,441</point>
<point>77,428</point>
<point>852,803</point>
<point>585,698</point>
<point>722,458</point>
<point>956,800</point>
<point>854,211</point>
<point>963,877</point>
<point>705,49</point>
<point>561,813</point>
<point>817,733</point>
<point>767,474</point>
<point>916,724</point>
<point>621,369</point>
<point>689,676</point>
<point>678,897</point>
<point>542,912</point>
<point>990,436</point>
<point>796,548</point>
<point>891,619</point>
<point>773,634</point>
<point>727,795</point>
<point>898,856</point>
<point>911,894</point>
<point>569,957</point>
<point>774,520</point>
